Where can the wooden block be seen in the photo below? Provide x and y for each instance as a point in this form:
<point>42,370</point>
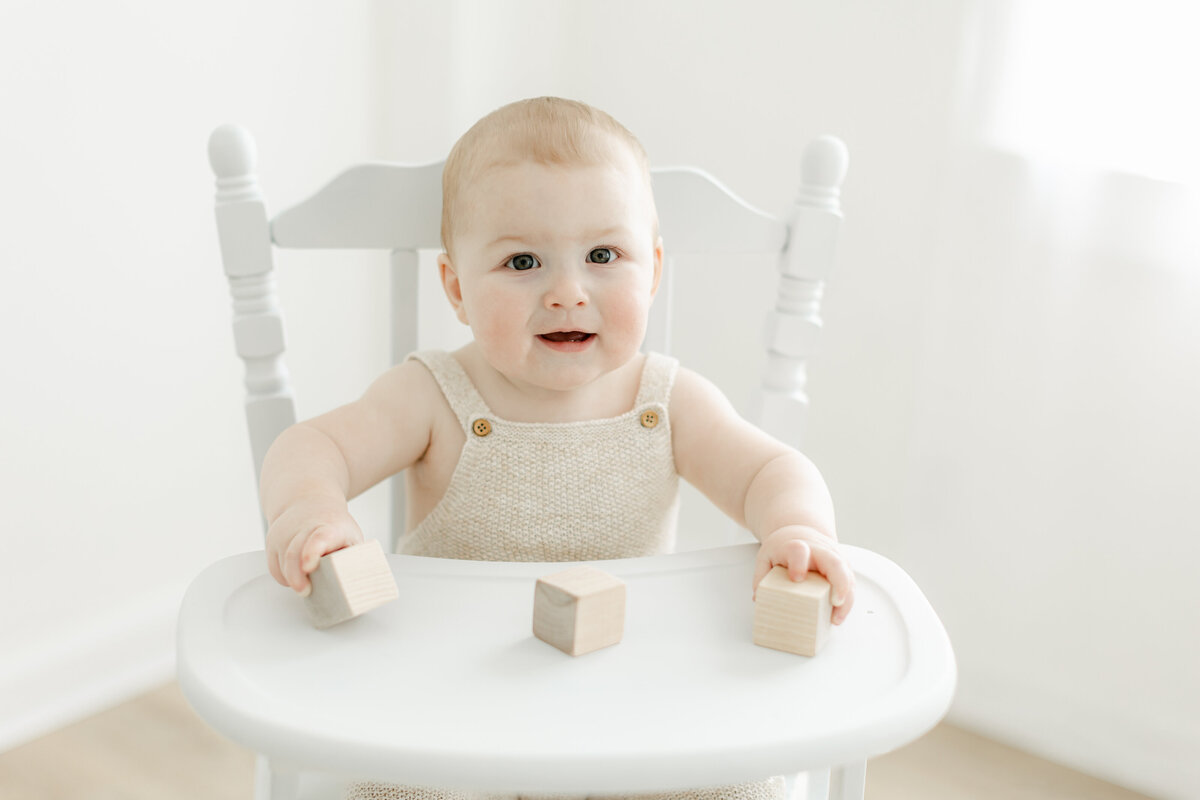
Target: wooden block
<point>792,616</point>
<point>579,610</point>
<point>349,582</point>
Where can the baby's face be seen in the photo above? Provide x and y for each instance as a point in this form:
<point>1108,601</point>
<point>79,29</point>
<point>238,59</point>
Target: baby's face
<point>554,268</point>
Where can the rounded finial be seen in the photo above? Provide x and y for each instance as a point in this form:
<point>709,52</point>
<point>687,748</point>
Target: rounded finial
<point>231,151</point>
<point>824,162</point>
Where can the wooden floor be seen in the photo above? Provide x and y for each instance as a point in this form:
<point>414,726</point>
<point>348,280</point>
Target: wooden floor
<point>155,747</point>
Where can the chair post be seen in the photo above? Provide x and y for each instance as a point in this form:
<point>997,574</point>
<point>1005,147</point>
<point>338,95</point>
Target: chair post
<point>848,781</point>
<point>405,325</point>
<point>794,324</point>
<point>245,238</point>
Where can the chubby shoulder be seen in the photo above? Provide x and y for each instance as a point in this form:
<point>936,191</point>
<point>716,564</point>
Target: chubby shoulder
<point>390,427</point>
<point>405,397</point>
<point>404,385</point>
<point>696,399</point>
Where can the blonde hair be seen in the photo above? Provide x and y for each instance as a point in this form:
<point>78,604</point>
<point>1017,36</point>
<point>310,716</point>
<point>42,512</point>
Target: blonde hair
<point>546,130</point>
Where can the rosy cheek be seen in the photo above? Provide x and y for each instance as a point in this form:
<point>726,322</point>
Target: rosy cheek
<point>500,329</point>
<point>489,326</point>
<point>632,310</point>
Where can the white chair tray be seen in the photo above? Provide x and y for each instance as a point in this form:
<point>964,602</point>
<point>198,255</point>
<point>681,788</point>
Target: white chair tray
<point>448,687</point>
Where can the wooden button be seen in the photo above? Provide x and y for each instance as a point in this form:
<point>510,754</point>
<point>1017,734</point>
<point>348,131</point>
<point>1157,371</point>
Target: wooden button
<point>649,419</point>
<point>481,427</point>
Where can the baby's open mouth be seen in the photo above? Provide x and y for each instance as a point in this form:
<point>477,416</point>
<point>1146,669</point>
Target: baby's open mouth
<point>566,336</point>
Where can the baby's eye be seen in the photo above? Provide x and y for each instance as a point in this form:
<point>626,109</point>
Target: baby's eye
<point>602,255</point>
<point>522,262</point>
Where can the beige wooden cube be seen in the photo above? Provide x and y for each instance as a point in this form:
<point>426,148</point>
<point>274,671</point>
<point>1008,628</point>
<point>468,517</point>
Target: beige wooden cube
<point>579,610</point>
<point>792,616</point>
<point>350,582</point>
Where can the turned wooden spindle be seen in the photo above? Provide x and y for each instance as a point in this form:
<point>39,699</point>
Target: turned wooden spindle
<point>794,324</point>
<point>258,334</point>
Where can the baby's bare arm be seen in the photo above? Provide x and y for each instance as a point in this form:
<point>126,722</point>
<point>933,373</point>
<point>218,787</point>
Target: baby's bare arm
<point>315,467</point>
<point>761,483</point>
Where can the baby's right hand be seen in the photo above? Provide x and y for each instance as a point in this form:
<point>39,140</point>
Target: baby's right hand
<point>303,533</point>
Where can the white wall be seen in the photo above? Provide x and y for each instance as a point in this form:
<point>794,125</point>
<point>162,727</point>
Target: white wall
<point>123,460</point>
<point>124,463</point>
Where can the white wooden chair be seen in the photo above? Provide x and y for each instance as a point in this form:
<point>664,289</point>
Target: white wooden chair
<point>893,646</point>
<point>397,209</point>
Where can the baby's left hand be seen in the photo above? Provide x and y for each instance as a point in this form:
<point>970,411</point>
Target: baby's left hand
<point>801,549</point>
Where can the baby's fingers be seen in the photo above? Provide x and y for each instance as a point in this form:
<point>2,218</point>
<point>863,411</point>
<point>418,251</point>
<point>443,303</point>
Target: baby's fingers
<point>794,554</point>
<point>304,552</point>
<point>841,580</point>
<point>275,566</point>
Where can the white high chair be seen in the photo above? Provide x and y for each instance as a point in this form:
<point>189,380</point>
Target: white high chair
<point>469,699</point>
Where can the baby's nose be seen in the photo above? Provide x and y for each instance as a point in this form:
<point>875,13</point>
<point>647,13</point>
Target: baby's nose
<point>566,290</point>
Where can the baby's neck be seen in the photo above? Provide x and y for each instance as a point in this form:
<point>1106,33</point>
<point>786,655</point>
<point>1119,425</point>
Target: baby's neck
<point>611,395</point>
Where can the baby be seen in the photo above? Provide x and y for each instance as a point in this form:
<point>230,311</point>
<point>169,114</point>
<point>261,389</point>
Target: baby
<point>550,437</point>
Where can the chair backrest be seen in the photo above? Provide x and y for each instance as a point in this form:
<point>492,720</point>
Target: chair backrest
<point>397,209</point>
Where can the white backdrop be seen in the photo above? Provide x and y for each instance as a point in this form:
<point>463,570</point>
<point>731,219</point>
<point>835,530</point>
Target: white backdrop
<point>122,449</point>
<point>960,404</point>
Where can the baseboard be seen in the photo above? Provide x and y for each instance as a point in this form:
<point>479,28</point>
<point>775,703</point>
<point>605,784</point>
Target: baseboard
<point>1139,751</point>
<point>87,670</point>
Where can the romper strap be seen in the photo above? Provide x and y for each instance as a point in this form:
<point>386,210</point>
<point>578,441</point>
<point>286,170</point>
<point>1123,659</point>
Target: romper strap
<point>456,385</point>
<point>658,376</point>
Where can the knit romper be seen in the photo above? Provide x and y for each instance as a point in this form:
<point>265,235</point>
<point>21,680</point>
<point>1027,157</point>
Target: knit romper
<point>574,491</point>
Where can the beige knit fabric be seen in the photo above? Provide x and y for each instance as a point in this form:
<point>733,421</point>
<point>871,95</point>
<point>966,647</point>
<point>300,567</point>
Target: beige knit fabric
<point>573,491</point>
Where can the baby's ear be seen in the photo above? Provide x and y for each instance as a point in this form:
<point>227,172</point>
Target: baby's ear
<point>658,265</point>
<point>452,286</point>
